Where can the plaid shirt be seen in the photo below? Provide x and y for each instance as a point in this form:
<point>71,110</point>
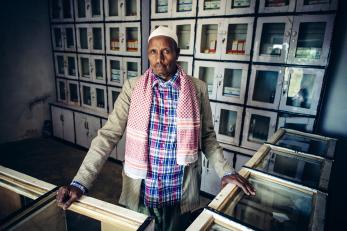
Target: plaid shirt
<point>163,184</point>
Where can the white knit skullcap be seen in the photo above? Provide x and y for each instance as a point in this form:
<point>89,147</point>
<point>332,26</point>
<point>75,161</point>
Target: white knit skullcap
<point>164,31</point>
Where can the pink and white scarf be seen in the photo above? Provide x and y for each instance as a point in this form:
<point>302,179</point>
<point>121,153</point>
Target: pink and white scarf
<point>188,125</point>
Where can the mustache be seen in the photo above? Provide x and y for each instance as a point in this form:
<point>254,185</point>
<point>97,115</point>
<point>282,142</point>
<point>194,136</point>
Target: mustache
<point>159,65</point>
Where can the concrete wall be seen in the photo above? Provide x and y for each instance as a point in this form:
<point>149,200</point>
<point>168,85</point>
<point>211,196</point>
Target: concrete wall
<point>27,74</point>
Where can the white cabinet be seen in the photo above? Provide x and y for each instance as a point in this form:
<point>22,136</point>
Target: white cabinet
<point>61,91</point>
<point>119,151</point>
<point>125,10</point>
<point>113,94</point>
<point>259,125</point>
<point>301,90</point>
<point>73,93</point>
<point>92,68</point>
<point>208,72</point>
<point>186,63</point>
<point>119,69</point>
<point>90,37</point>
<point>210,181</point>
<point>225,7</point>
<point>299,123</point>
<point>63,37</point>
<point>88,10</point>
<point>175,8</point>
<point>94,97</point>
<point>86,128</point>
<point>123,38</point>
<point>63,126</point>
<point>271,6</point>
<point>66,65</point>
<point>315,5</point>
<point>265,86</point>
<point>61,11</point>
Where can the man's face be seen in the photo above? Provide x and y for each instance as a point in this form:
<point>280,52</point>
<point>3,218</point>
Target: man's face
<point>162,56</point>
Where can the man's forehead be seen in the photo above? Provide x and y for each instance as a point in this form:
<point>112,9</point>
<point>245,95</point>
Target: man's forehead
<point>161,40</point>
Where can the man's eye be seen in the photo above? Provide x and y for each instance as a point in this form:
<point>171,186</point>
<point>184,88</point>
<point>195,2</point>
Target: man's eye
<point>166,52</point>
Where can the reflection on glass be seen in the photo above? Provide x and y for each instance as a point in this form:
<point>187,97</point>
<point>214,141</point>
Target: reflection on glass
<point>265,86</point>
<point>73,92</point>
<point>131,8</point>
<point>87,97</point>
<point>303,144</point>
<point>272,39</point>
<point>294,168</point>
<point>132,70</point>
<point>310,40</point>
<point>71,65</point>
<point>300,91</point>
<point>276,3</point>
<point>100,98</point>
<point>96,8</point>
<point>83,38</point>
<point>113,8</point>
<point>97,39</point>
<point>206,74</point>
<point>55,9</point>
<point>232,82</point>
<point>184,5</point>
<point>184,65</point>
<point>58,38</point>
<point>114,39</point>
<point>67,9</point>
<point>209,39</point>
<point>274,207</point>
<point>115,95</point>
<point>62,90</point>
<point>85,67</point>
<point>132,39</point>
<point>183,34</point>
<point>217,227</point>
<point>161,6</point>
<point>60,61</point>
<point>236,42</point>
<point>81,6</point>
<point>69,38</point>
<point>99,70</point>
<point>211,4</point>
<point>258,128</point>
<point>115,70</point>
<point>227,124</point>
<point>316,2</point>
<point>240,3</point>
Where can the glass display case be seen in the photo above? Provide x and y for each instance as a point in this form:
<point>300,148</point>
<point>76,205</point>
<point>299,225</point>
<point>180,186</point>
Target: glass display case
<point>308,170</point>
<point>90,37</point>
<point>73,93</point>
<point>61,10</point>
<point>304,142</point>
<point>259,125</point>
<point>92,68</point>
<point>208,44</point>
<point>115,70</point>
<point>132,68</point>
<point>207,72</point>
<point>185,33</point>
<point>265,86</point>
<point>94,97</point>
<point>113,94</point>
<point>65,65</point>
<point>275,6</point>
<point>89,10</point>
<point>61,91</point>
<point>186,63</point>
<point>63,37</point>
<point>304,124</point>
<point>123,10</point>
<point>315,5</point>
<point>301,90</point>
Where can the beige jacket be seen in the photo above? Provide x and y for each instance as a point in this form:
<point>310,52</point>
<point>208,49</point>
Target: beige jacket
<point>109,135</point>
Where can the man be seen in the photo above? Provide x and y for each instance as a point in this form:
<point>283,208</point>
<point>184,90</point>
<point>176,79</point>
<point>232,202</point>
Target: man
<point>169,120</point>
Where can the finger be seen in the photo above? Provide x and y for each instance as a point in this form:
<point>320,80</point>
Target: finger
<point>243,187</point>
<point>69,202</point>
<point>61,195</point>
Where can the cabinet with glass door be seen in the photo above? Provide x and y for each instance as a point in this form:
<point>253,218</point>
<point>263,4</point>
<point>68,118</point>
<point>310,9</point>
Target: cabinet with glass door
<point>316,5</point>
<point>300,123</point>
<point>73,93</point>
<point>92,68</point>
<point>89,10</point>
<point>113,93</point>
<point>63,37</point>
<point>208,72</point>
<point>186,62</point>
<point>121,68</point>
<point>90,38</point>
<point>175,9</point>
<point>65,65</point>
<point>61,11</point>
<point>122,10</point>
<point>94,97</point>
<point>276,6</point>
<point>61,91</point>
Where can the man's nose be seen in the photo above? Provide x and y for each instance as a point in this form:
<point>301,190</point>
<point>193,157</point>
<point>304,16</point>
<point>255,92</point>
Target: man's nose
<point>160,57</point>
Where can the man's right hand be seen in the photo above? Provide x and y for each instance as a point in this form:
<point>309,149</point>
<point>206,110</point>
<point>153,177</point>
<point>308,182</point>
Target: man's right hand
<point>66,195</point>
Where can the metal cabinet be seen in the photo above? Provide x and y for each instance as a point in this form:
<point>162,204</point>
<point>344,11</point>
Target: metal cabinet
<point>92,68</point>
<point>63,37</point>
<point>122,10</point>
<point>86,128</point>
<point>66,65</point>
<point>94,97</point>
<point>175,8</point>
<point>63,126</point>
<point>90,37</point>
<point>121,68</point>
<point>89,10</point>
<point>61,11</point>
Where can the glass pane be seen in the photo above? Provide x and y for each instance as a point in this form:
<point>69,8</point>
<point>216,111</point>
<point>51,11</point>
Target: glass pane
<point>316,2</point>
<point>303,144</point>
<point>161,6</point>
<point>206,74</point>
<point>276,3</point>
<point>132,39</point>
<point>258,128</point>
<point>96,8</point>
<point>115,95</point>
<point>184,5</point>
<point>87,98</point>
<point>97,39</point>
<point>184,65</point>
<point>232,82</point>
<point>227,124</point>
<point>115,70</point>
<point>237,35</point>
<point>272,38</point>
<point>70,43</point>
<point>310,40</point>
<point>58,38</point>
<point>83,38</point>
<point>60,61</point>
<point>71,65</point>
<point>132,69</point>
<point>55,9</point>
<point>81,4</point>
<point>211,4</point>
<point>99,69</point>
<point>265,86</point>
<point>62,90</point>
<point>183,34</point>
<point>274,207</point>
<point>240,3</point>
<point>131,8</point>
<point>114,39</point>
<point>113,8</point>
<point>85,67</point>
<point>294,168</point>
<point>67,9</point>
<point>209,39</point>
<point>217,227</point>
<point>73,92</point>
<point>100,98</point>
<point>300,90</point>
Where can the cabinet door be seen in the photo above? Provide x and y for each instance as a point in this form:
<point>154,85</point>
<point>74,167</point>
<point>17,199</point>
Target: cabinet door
<point>186,63</point>
<point>115,71</point>
<point>214,118</point>
<point>132,68</point>
<point>209,39</point>
<point>207,71</point>
<point>56,10</point>
<point>301,90</point>
<point>58,37</point>
<point>98,69</point>
<point>265,86</point>
<point>84,67</point>
<point>97,37</point>
<point>237,38</point>
<point>161,9</point>
<point>232,84</point>
<point>100,98</point>
<point>84,39</point>
<point>314,5</point>
<point>132,36</point>
<point>73,93</point>
<point>258,127</point>
<point>131,10</point>
<point>88,10</point>
<point>185,33</point>
<point>86,129</point>
<point>59,60</point>
<point>70,66</point>
<point>272,39</point>
<point>61,91</point>
<point>113,10</point>
<point>114,36</point>
<point>270,6</point>
<point>63,124</point>
<point>299,123</point>
<point>228,123</point>
<point>69,37</point>
<point>61,11</point>
<point>210,180</point>
<point>87,92</point>
<point>113,94</point>
<point>184,8</point>
<point>240,7</point>
<point>310,40</point>
<point>96,10</point>
<point>211,7</point>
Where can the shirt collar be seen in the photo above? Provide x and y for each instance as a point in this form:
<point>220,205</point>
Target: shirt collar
<point>173,82</point>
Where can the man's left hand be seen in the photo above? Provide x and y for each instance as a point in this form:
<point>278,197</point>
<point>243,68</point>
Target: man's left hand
<point>240,182</point>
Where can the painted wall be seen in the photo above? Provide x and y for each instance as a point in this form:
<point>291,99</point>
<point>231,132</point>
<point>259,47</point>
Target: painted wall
<point>27,75</point>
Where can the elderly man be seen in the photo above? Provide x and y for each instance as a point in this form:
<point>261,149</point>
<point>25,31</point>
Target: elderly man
<point>168,119</point>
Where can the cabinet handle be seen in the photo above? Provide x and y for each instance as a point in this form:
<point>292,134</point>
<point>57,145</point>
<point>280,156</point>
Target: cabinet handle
<point>295,33</point>
<point>61,117</point>
<point>223,41</point>
<point>86,125</point>
<point>121,4</point>
<point>88,5</point>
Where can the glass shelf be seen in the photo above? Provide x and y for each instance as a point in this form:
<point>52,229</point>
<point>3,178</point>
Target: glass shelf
<point>232,82</point>
<point>132,40</point>
<point>258,128</point>
<point>183,34</point>
<point>209,39</point>
<point>265,86</point>
<point>272,39</point>
<point>237,36</point>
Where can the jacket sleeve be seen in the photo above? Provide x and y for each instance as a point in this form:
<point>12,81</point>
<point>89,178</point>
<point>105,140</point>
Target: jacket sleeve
<point>105,141</point>
<point>210,147</point>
